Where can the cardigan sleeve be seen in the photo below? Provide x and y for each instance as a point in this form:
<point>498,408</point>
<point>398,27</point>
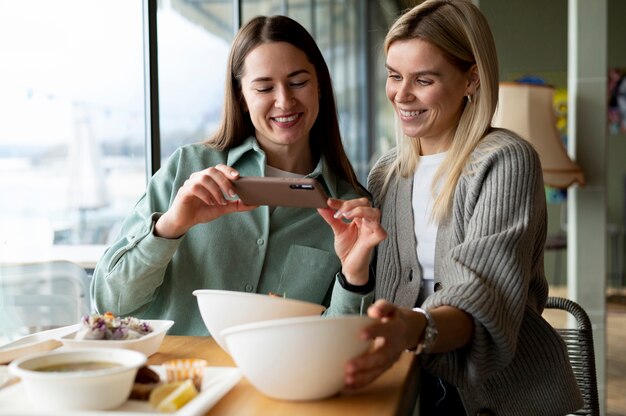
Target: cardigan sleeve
<point>489,257</point>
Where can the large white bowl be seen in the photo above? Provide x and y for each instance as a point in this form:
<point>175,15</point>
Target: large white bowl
<point>297,358</point>
<point>221,309</point>
<point>147,344</point>
<point>78,390</point>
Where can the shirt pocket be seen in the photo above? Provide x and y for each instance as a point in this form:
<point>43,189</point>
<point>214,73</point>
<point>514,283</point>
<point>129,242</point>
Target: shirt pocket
<point>308,273</point>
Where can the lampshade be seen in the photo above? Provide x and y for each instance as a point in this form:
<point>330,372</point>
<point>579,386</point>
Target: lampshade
<point>528,110</point>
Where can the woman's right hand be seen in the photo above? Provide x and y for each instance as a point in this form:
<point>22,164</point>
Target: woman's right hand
<point>356,237</point>
<point>200,200</point>
<point>396,330</point>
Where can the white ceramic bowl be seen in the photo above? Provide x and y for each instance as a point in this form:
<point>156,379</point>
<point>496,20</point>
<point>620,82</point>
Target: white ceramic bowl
<point>297,358</point>
<point>221,309</point>
<point>101,389</point>
<point>148,344</point>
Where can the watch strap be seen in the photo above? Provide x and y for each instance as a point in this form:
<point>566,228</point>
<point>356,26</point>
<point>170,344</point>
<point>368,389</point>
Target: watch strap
<point>361,289</point>
<point>429,336</point>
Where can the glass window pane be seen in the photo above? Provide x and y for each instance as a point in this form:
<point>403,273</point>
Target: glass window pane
<point>381,14</point>
<point>72,139</point>
<point>252,8</point>
<point>302,12</point>
<point>194,39</point>
<point>338,31</point>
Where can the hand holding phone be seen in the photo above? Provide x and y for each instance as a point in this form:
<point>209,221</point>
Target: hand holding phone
<point>288,192</point>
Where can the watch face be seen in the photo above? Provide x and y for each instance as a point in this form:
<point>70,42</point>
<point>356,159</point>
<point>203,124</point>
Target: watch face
<point>430,336</point>
<point>430,333</point>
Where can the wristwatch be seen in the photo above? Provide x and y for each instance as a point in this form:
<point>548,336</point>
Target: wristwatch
<point>362,289</point>
<point>430,333</point>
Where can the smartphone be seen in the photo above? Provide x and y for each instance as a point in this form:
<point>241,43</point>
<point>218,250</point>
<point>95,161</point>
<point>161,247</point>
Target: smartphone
<point>288,192</point>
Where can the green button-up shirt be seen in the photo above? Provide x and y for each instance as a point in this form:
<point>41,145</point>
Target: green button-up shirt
<point>287,251</point>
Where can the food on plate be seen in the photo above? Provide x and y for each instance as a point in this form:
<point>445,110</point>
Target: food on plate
<point>186,368</point>
<point>109,326</point>
<point>146,381</point>
<point>77,366</point>
<point>170,397</point>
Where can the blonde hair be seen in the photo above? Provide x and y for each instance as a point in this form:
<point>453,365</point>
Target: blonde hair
<point>461,32</point>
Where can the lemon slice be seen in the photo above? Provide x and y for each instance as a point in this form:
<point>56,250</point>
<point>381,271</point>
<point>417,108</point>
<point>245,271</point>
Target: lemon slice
<point>172,396</point>
<point>162,391</point>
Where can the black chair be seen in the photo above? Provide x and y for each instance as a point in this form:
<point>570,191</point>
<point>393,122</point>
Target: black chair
<point>579,342</point>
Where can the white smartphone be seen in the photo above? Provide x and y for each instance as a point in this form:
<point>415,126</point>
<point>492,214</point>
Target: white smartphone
<point>288,192</point>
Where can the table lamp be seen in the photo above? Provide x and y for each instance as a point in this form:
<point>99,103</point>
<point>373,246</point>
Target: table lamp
<point>528,110</point>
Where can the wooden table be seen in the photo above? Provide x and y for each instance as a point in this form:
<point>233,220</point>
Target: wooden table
<point>394,393</point>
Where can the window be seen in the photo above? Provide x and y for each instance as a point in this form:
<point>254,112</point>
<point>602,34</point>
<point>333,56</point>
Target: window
<point>72,142</point>
<point>193,44</point>
<point>73,151</point>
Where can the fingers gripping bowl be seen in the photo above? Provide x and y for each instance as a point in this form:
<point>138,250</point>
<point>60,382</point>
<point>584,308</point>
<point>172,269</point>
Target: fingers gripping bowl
<point>221,309</point>
<point>85,379</point>
<point>297,358</point>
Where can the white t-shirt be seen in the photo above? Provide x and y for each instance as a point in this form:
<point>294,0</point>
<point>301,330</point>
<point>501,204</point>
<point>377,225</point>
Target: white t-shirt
<point>423,199</point>
<point>272,172</point>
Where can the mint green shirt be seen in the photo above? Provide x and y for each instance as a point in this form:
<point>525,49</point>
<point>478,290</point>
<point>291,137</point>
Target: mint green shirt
<point>289,251</point>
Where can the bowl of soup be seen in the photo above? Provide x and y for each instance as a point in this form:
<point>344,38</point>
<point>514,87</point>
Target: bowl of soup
<point>221,309</point>
<point>87,379</point>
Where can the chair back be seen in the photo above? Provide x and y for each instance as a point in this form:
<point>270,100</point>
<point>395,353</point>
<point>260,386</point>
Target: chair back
<point>579,342</point>
<point>40,296</point>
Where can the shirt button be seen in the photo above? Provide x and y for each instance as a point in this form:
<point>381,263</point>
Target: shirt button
<point>248,288</point>
<point>260,241</point>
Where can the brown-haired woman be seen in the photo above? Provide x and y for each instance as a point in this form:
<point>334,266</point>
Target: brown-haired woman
<point>189,231</point>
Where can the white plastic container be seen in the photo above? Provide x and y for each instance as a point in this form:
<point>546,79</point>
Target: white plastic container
<point>101,389</point>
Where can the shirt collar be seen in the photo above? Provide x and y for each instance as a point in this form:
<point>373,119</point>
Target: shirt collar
<point>325,176</point>
<point>236,153</point>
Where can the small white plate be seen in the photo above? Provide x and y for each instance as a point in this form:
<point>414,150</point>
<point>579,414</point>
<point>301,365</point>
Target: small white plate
<point>38,342</point>
<point>148,344</point>
<point>216,382</point>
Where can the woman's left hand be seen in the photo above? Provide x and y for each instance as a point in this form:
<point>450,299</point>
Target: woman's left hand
<point>354,240</point>
<point>397,330</point>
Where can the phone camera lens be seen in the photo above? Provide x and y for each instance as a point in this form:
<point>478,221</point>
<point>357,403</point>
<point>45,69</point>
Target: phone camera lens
<point>301,186</point>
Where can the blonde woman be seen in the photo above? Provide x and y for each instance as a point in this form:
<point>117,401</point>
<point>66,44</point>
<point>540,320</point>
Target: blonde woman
<point>460,277</point>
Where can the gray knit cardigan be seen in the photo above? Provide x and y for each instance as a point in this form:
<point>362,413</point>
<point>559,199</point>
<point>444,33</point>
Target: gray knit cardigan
<point>489,263</point>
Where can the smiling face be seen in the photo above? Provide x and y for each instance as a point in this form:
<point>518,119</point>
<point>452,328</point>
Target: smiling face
<point>427,92</point>
<point>280,91</point>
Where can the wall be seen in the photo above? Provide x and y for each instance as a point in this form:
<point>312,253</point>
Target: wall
<point>532,43</point>
<point>616,155</point>
<point>616,144</point>
<point>529,42</point>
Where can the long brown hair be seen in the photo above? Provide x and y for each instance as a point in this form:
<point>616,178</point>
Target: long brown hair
<point>236,126</point>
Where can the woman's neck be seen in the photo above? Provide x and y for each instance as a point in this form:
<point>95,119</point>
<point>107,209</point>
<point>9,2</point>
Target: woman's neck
<point>291,159</point>
<point>432,146</point>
